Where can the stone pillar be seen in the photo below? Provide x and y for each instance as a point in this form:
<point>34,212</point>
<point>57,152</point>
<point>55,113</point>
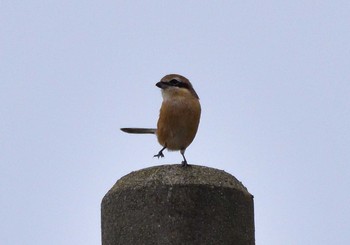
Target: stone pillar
<point>171,204</point>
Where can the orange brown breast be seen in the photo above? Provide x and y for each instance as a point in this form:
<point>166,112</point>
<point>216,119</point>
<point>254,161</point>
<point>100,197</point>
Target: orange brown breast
<point>178,122</point>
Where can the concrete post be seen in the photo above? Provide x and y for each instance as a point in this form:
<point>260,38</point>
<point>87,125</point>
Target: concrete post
<point>171,204</point>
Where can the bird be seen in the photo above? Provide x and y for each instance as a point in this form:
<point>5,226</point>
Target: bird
<point>179,116</point>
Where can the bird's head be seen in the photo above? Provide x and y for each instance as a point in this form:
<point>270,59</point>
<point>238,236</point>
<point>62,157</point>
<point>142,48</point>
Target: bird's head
<point>174,85</point>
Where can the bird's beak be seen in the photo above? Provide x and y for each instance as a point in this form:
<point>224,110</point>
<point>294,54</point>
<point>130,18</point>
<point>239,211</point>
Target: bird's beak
<point>162,85</point>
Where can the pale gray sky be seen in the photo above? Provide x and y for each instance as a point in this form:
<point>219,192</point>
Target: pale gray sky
<point>274,83</point>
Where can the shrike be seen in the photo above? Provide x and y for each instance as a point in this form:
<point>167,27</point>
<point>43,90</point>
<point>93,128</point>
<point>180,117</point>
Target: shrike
<point>178,118</point>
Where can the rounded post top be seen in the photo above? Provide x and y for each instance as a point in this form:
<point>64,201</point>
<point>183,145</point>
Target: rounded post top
<point>175,174</point>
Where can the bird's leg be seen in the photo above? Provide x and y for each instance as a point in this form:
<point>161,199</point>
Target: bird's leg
<point>160,153</point>
<point>184,162</point>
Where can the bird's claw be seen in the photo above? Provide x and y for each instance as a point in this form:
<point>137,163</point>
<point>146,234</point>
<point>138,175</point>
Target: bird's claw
<point>184,164</point>
<point>160,154</point>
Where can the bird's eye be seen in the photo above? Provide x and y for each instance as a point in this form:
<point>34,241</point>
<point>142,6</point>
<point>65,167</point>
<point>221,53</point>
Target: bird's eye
<point>174,82</point>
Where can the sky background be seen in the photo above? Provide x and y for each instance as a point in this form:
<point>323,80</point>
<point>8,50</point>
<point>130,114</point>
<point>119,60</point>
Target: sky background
<point>274,83</point>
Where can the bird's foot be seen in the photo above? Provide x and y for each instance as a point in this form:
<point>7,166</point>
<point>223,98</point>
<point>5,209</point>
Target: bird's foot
<point>185,164</point>
<point>160,154</point>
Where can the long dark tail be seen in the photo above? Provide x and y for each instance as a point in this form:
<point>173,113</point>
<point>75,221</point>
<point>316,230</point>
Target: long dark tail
<point>139,130</point>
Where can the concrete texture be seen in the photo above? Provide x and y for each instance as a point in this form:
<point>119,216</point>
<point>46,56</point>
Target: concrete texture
<point>171,204</point>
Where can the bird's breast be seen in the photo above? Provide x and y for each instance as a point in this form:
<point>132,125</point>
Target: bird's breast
<point>178,123</point>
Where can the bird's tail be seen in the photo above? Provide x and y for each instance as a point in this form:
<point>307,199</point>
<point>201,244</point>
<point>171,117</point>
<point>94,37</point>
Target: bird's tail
<point>139,130</point>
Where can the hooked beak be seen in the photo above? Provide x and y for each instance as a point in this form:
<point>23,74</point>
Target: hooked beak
<point>162,85</point>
